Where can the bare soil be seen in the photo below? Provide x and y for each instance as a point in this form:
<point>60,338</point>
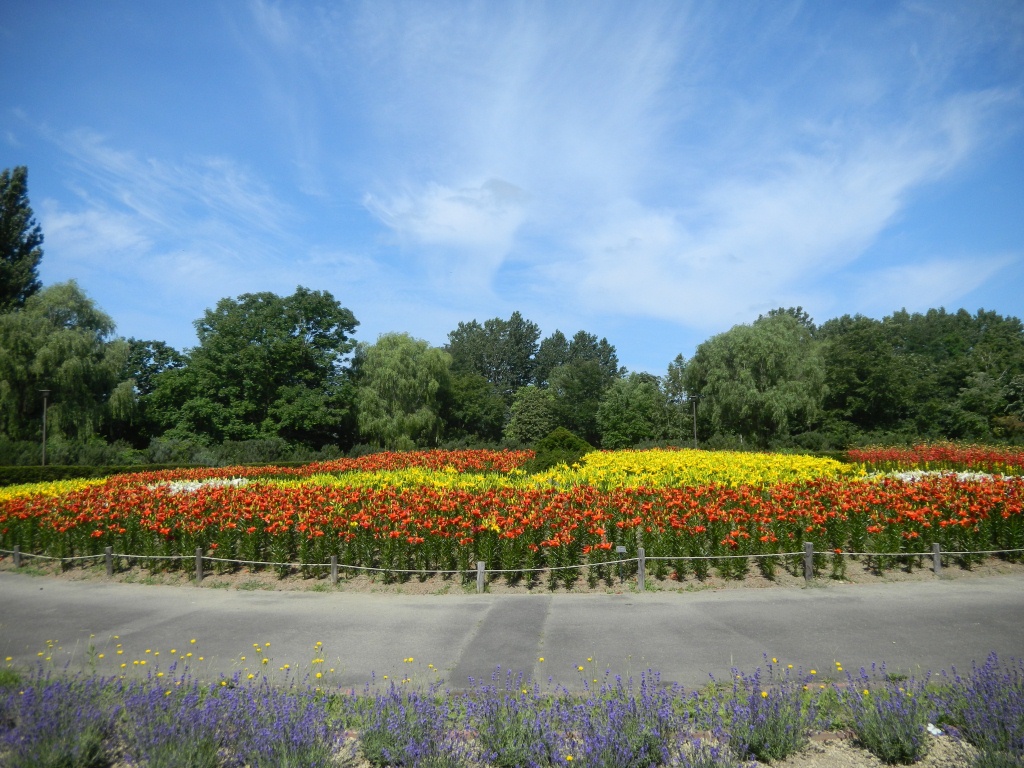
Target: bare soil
<point>222,576</point>
<point>841,751</point>
<point>826,750</point>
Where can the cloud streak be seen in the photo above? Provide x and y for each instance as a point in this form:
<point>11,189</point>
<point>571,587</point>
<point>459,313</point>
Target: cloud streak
<point>583,164</point>
<point>590,117</point>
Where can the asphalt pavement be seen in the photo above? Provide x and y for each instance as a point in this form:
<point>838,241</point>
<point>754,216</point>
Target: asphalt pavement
<point>912,627</point>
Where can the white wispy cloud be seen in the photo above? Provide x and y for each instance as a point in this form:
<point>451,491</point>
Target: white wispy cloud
<point>753,242</point>
<point>163,236</point>
<point>654,160</point>
<point>482,216</point>
<point>919,287</point>
<point>175,194</point>
<point>92,235</point>
<point>591,119</point>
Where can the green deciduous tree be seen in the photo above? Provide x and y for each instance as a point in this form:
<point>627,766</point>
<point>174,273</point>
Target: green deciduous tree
<point>870,385</point>
<point>633,410</point>
<point>679,413</point>
<point>502,351</point>
<point>763,381</point>
<point>21,240</point>
<point>580,381</point>
<point>586,346</point>
<point>474,412</point>
<point>402,385</point>
<point>147,360</point>
<point>266,366</point>
<point>533,415</point>
<point>61,342</point>
<point>552,352</point>
<point>578,387</point>
<point>932,375</point>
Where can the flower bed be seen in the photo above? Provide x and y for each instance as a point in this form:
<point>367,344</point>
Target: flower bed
<point>942,456</point>
<point>445,511</point>
<point>173,718</point>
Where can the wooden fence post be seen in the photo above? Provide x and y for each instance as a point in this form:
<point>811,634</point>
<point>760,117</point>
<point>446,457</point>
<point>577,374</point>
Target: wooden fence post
<point>109,557</point>
<point>334,570</point>
<point>17,556</point>
<point>199,565</point>
<point>808,561</point>
<point>936,558</point>
<point>480,566</point>
<point>641,570</point>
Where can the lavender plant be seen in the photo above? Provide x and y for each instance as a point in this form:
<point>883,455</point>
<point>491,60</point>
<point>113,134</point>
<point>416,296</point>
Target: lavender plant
<point>769,719</point>
<point>180,726</point>
<point>409,728</point>
<point>61,723</point>
<point>86,722</point>
<point>514,726</point>
<point>890,718</point>
<point>987,708</point>
<point>620,727</point>
<point>181,723</point>
<point>281,728</point>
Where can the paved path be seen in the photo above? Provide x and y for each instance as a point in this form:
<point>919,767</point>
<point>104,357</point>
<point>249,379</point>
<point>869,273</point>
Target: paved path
<point>912,627</point>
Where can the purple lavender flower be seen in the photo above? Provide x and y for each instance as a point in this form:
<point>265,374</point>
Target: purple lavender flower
<point>60,722</point>
<point>889,718</point>
<point>987,708</point>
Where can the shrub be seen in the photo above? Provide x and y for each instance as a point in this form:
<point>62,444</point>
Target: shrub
<point>987,708</point>
<point>770,719</point>
<point>890,719</point>
<point>560,447</point>
<point>59,723</point>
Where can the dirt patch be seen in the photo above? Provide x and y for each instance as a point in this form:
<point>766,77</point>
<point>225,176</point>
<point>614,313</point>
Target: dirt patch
<point>943,752</point>
<point>857,571</point>
<point>824,751</point>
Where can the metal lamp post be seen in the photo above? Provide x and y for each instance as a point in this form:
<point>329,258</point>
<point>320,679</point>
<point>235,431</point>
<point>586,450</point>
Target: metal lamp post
<point>694,399</point>
<point>46,394</point>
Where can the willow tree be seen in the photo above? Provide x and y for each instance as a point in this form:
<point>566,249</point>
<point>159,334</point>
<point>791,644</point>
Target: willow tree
<point>762,382</point>
<point>402,386</point>
<point>62,343</point>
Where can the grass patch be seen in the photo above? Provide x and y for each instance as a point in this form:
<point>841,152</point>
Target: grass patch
<point>255,584</point>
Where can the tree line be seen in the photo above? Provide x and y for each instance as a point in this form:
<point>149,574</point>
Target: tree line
<point>277,378</point>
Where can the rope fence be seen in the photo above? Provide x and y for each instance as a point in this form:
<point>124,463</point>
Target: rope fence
<point>482,571</point>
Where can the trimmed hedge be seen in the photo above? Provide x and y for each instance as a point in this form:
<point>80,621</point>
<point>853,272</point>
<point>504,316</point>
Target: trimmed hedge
<point>21,474</point>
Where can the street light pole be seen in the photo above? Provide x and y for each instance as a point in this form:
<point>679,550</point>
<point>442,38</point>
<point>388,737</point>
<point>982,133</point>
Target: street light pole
<point>695,423</point>
<point>694,399</point>
<point>46,394</point>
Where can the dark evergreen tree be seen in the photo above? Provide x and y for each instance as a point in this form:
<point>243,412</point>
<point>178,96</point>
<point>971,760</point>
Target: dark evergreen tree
<point>21,240</point>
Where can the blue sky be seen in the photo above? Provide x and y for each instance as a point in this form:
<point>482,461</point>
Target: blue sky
<point>651,172</point>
